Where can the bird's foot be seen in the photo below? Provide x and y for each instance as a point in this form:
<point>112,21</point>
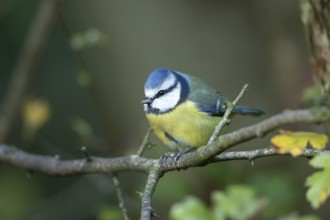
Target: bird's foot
<point>174,156</point>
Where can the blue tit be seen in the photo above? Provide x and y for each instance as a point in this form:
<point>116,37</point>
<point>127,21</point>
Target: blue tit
<point>183,110</point>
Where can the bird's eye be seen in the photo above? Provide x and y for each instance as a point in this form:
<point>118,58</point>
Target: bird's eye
<point>160,93</point>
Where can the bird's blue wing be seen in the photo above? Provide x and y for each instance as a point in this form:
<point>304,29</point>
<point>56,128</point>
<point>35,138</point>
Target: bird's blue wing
<point>214,108</point>
<point>206,98</point>
<point>246,110</point>
<point>210,101</point>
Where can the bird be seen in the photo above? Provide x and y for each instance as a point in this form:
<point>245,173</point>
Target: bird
<point>183,110</point>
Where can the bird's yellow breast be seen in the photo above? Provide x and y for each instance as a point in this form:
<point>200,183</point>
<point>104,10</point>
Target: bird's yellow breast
<point>184,126</point>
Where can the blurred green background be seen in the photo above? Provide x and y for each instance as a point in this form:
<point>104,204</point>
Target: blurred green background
<point>226,43</point>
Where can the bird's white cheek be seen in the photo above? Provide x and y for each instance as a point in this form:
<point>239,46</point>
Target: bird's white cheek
<point>167,101</point>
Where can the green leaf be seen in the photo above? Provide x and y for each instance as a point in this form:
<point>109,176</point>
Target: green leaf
<point>238,203</point>
<point>319,182</point>
<point>319,190</point>
<point>190,209</point>
<point>320,161</point>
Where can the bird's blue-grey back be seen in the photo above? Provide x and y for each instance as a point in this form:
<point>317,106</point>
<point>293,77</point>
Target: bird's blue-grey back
<point>211,101</point>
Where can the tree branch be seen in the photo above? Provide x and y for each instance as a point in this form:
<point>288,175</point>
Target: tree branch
<point>54,166</point>
<point>146,210</point>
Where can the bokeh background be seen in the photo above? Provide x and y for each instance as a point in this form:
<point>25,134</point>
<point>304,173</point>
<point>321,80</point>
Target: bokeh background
<point>92,71</point>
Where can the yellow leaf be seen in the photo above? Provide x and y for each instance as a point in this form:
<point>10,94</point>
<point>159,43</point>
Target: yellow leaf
<point>35,113</point>
<point>295,142</point>
<point>319,142</point>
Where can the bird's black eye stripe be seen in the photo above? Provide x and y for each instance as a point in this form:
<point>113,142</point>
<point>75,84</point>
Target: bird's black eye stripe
<point>162,92</point>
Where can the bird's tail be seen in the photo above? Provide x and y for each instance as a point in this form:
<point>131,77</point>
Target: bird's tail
<point>245,110</point>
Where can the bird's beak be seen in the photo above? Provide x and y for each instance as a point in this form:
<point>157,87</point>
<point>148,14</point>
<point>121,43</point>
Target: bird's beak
<point>147,101</point>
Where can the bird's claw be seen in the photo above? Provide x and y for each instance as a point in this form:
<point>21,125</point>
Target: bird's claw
<point>164,159</point>
<point>174,156</point>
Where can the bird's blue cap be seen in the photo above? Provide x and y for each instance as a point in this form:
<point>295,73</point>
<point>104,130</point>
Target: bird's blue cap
<point>157,77</point>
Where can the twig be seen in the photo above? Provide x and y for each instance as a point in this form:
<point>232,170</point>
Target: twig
<point>86,153</point>
<point>120,196</point>
<point>259,153</point>
<point>145,143</point>
<point>146,209</point>
<point>225,118</point>
<point>27,60</point>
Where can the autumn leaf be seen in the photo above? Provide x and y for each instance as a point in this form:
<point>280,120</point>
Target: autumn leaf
<point>319,182</point>
<point>295,142</point>
<point>35,114</point>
